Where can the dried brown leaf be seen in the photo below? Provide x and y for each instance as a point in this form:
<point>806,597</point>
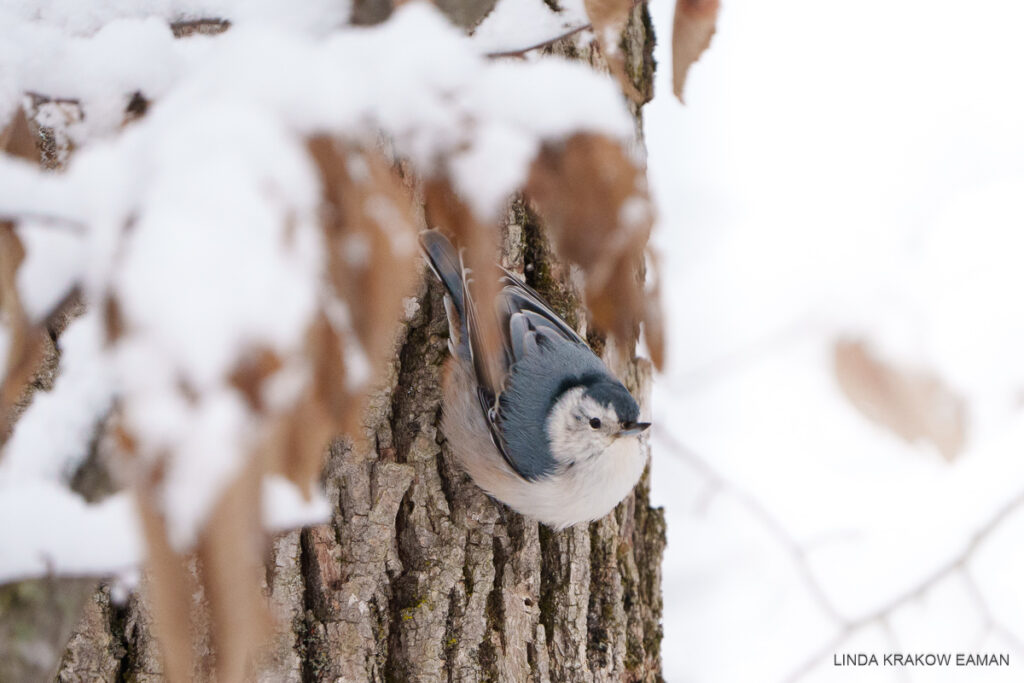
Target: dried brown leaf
<point>478,241</point>
<point>27,339</point>
<point>170,588</point>
<point>298,441</point>
<point>26,348</point>
<point>17,140</point>
<point>608,19</point>
<point>371,231</point>
<point>913,404</point>
<point>594,199</point>
<point>230,553</point>
<point>654,326</point>
<point>692,29</point>
<point>227,576</point>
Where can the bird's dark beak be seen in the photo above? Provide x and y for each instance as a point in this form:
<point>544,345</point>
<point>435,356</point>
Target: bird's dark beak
<point>633,428</point>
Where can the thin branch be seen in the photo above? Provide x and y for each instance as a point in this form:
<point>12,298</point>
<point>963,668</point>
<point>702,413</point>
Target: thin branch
<point>39,98</point>
<point>206,27</point>
<point>521,52</point>
<point>44,220</point>
<point>958,564</point>
<point>775,528</point>
<point>992,624</point>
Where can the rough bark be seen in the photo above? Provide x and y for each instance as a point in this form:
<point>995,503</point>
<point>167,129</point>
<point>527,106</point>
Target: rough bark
<point>419,576</point>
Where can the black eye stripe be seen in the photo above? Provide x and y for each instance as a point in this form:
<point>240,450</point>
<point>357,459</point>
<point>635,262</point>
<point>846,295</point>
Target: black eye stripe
<point>595,423</point>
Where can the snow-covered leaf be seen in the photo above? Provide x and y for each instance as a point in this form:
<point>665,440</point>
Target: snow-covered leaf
<point>24,339</point>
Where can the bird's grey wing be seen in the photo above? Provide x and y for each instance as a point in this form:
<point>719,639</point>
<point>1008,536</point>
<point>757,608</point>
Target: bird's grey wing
<point>518,297</point>
<point>490,384</point>
<point>449,268</point>
<point>488,390</point>
<point>547,363</point>
<point>543,356</point>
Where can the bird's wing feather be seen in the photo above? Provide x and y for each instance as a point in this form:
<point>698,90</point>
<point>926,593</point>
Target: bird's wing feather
<point>544,356</point>
<point>518,296</point>
<point>550,365</point>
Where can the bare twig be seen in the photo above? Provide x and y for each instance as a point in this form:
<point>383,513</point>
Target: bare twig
<point>521,52</point>
<point>847,626</point>
<point>207,27</point>
<point>39,98</point>
<point>796,552</point>
<point>43,220</point>
<point>992,624</point>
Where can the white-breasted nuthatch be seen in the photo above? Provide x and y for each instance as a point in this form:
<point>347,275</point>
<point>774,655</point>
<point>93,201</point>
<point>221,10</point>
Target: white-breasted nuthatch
<point>557,439</point>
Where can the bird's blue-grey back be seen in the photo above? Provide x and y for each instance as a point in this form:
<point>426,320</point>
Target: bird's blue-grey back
<point>550,364</point>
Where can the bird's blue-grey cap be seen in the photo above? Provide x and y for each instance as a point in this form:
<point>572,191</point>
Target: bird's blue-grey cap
<point>611,393</point>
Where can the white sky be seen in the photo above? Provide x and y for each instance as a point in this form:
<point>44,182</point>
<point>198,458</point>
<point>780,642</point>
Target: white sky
<point>839,168</point>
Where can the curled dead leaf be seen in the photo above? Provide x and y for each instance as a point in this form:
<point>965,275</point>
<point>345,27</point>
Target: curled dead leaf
<point>692,29</point>
<point>609,19</point>
<point>479,245</point>
<point>170,588</point>
<point>594,199</point>
<point>231,562</point>
<point>913,404</point>
<point>16,138</point>
<point>371,230</point>
<point>26,346</point>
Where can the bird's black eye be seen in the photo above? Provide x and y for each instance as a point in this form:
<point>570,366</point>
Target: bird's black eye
<point>595,423</point>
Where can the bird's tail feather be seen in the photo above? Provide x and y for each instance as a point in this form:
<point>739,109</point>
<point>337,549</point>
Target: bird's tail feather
<point>447,266</point>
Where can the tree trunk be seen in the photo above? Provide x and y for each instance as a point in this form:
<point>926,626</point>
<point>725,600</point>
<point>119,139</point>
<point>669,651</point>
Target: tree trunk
<point>420,576</point>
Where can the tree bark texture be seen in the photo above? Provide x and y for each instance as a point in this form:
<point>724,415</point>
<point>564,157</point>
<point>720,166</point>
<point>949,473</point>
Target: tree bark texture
<point>420,576</point>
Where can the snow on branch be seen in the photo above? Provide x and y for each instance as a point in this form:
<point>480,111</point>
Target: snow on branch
<point>244,220</point>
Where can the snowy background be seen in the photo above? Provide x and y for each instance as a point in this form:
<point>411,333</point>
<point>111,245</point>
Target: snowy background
<point>840,169</point>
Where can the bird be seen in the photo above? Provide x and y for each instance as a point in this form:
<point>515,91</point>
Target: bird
<point>557,438</point>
